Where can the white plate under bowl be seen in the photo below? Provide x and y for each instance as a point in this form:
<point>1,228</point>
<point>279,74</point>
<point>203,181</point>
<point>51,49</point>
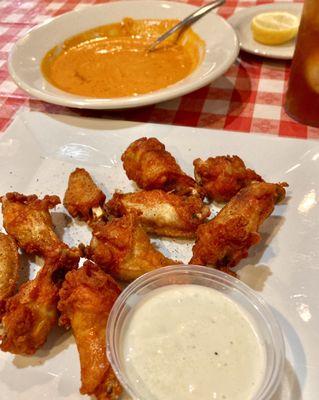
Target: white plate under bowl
<point>241,22</point>
<point>38,152</point>
<point>25,59</point>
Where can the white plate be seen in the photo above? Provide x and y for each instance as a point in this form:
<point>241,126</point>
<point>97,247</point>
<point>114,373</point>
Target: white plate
<point>25,59</point>
<point>38,152</point>
<point>241,22</point>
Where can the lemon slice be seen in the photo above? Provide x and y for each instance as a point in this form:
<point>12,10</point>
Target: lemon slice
<point>274,28</point>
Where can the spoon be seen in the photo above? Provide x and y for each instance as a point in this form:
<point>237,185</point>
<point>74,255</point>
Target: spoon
<point>195,16</point>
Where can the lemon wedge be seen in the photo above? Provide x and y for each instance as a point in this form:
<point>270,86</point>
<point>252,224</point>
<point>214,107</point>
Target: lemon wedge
<point>274,28</point>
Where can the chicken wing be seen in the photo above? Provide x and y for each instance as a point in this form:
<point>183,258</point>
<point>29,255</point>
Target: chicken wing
<point>86,299</point>
<point>226,239</point>
<point>82,195</point>
<point>123,249</point>
<point>28,221</point>
<point>222,177</point>
<point>9,268</point>
<point>162,213</point>
<point>151,166</point>
<point>32,312</point>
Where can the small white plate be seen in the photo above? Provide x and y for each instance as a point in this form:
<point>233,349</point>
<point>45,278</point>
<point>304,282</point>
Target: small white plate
<point>25,59</point>
<point>241,23</point>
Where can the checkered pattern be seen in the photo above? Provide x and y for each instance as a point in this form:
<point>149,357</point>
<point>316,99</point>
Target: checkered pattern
<point>248,98</point>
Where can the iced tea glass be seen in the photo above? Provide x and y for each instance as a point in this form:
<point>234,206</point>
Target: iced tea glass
<point>302,100</point>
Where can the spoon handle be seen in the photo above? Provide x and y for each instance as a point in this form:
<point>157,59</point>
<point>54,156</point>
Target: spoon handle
<point>195,16</point>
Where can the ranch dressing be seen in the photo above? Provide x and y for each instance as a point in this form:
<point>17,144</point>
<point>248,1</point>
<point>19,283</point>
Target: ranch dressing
<point>190,342</point>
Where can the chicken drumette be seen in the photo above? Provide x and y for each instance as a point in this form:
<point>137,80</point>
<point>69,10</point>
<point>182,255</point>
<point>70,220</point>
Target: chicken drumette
<point>162,213</point>
<point>123,249</point>
<point>32,312</point>
<point>86,299</point>
<point>83,199</point>
<point>151,166</point>
<point>226,239</point>
<point>9,268</point>
<point>222,177</point>
<point>27,219</point>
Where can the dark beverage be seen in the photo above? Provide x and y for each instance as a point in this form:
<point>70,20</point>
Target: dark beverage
<point>302,101</point>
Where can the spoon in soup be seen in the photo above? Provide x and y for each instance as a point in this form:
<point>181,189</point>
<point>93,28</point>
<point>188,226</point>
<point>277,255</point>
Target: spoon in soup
<point>195,16</point>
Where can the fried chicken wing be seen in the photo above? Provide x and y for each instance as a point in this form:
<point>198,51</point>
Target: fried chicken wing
<point>226,239</point>
<point>28,221</point>
<point>151,166</point>
<point>86,299</point>
<point>9,268</point>
<point>123,249</point>
<point>222,177</point>
<point>162,213</point>
<point>82,195</point>
<point>32,312</point>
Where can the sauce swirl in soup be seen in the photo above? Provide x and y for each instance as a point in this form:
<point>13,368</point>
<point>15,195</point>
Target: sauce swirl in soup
<point>112,60</point>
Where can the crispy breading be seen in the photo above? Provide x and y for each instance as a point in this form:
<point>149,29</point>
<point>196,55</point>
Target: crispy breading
<point>86,299</point>
<point>123,249</point>
<point>223,176</point>
<point>226,239</point>
<point>32,312</point>
<point>28,221</point>
<point>162,213</point>
<point>9,269</point>
<point>82,195</point>
<point>151,166</point>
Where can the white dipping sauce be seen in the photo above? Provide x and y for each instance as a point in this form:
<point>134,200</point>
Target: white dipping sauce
<point>191,342</point>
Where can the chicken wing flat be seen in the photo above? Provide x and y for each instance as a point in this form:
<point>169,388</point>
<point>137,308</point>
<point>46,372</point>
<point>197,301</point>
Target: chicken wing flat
<point>82,195</point>
<point>222,177</point>
<point>86,299</point>
<point>226,239</point>
<point>9,268</point>
<point>151,166</point>
<point>162,213</point>
<point>32,312</point>
<point>28,221</point>
<point>123,249</point>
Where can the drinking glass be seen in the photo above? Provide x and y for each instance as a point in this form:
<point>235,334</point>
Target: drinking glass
<point>302,100</point>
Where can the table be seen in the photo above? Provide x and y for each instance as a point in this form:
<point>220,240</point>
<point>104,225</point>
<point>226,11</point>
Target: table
<point>248,98</point>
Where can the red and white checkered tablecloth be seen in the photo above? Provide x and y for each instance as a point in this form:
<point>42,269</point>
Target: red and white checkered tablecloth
<point>248,98</point>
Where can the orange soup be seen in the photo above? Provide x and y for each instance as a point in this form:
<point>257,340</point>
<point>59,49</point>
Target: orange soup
<point>114,61</point>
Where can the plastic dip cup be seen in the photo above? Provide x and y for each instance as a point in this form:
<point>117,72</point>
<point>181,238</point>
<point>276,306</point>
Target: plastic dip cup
<point>251,304</point>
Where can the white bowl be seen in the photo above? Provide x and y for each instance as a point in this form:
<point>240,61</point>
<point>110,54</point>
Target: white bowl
<point>25,58</point>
